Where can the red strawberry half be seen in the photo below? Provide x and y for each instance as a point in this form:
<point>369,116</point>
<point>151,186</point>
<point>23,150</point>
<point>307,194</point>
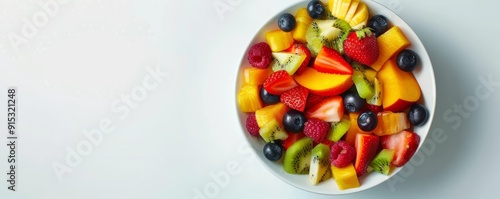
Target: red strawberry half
<point>314,99</point>
<point>404,144</point>
<point>279,82</point>
<point>331,61</point>
<point>366,148</point>
<point>299,48</point>
<point>362,46</point>
<point>329,110</point>
<point>295,98</point>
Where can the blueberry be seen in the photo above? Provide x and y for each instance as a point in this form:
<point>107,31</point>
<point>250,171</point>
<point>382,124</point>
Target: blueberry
<point>418,114</point>
<point>353,102</point>
<point>273,151</point>
<point>267,97</point>
<point>286,22</point>
<point>315,9</point>
<point>294,121</point>
<point>379,24</point>
<point>367,121</point>
<point>407,60</point>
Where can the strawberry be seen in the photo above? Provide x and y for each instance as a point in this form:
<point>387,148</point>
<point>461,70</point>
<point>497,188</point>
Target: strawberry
<point>362,46</point>
<point>279,82</point>
<point>299,48</point>
<point>329,110</point>
<point>366,148</point>
<point>404,143</point>
<point>370,107</point>
<point>295,98</point>
<point>316,129</point>
<point>314,99</point>
<point>331,61</point>
<point>292,138</point>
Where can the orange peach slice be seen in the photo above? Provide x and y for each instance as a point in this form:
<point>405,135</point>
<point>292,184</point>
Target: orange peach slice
<point>324,84</point>
<point>400,88</point>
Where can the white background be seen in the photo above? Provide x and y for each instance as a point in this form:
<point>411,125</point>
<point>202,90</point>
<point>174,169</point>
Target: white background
<point>77,69</point>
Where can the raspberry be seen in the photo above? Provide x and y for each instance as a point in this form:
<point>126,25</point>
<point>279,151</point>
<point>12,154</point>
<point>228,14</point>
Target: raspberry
<point>342,154</point>
<point>316,129</point>
<point>260,55</point>
<point>252,126</point>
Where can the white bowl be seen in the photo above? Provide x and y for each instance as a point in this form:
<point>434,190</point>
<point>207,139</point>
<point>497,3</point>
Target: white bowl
<point>424,76</point>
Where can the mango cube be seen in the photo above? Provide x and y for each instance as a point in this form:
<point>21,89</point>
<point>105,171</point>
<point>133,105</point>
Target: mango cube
<point>345,177</point>
<point>279,40</point>
<point>390,43</point>
<point>248,98</point>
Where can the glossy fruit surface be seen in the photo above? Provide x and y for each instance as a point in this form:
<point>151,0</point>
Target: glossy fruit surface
<point>418,114</point>
<point>315,9</point>
<point>353,102</point>
<point>286,22</point>
<point>294,121</point>
<point>273,151</point>
<point>407,60</point>
<point>379,24</point>
<point>367,121</point>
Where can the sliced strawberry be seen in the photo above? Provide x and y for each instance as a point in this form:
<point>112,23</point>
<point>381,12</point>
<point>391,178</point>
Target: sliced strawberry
<point>314,99</point>
<point>300,49</point>
<point>404,143</point>
<point>366,148</point>
<point>331,61</point>
<point>279,82</point>
<point>292,138</point>
<point>328,110</point>
<point>295,98</point>
<point>362,46</point>
<point>375,109</point>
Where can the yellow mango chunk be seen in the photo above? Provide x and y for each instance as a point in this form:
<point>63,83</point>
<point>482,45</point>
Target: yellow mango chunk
<point>303,22</point>
<point>390,43</point>
<point>255,76</point>
<point>279,40</point>
<point>345,177</point>
<point>268,113</point>
<point>248,98</point>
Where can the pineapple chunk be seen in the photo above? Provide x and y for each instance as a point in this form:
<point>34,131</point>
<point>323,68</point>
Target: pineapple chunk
<point>248,98</point>
<point>279,40</point>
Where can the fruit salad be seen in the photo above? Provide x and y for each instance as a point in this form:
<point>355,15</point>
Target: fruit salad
<point>331,91</point>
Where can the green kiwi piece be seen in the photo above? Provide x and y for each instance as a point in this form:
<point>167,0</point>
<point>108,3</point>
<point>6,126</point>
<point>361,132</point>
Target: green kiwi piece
<point>320,164</point>
<point>382,162</point>
<point>376,99</point>
<point>330,33</point>
<point>365,87</point>
<point>298,157</point>
<point>272,131</point>
<point>338,129</point>
<point>289,62</point>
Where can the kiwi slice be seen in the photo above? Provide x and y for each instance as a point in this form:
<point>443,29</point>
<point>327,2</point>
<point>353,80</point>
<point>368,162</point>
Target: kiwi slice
<point>377,97</point>
<point>382,162</point>
<point>363,85</point>
<point>289,62</point>
<point>298,157</point>
<point>330,33</point>
<point>272,131</point>
<point>320,164</point>
<point>338,129</point>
